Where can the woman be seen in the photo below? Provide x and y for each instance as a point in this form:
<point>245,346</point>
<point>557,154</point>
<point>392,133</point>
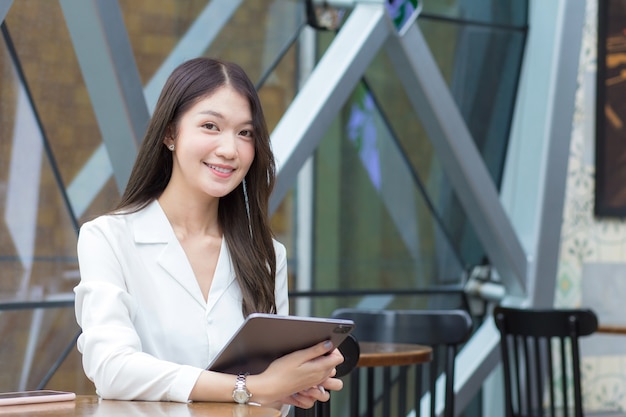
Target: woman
<point>168,277</point>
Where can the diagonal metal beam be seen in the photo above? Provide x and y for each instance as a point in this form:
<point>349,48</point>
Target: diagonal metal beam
<point>565,82</point>
<point>433,103</point>
<point>108,66</point>
<point>317,104</point>
<point>5,5</point>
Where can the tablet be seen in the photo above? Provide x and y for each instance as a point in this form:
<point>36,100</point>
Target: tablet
<point>37,396</point>
<point>262,338</point>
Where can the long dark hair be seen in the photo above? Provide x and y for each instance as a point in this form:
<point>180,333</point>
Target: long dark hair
<point>250,243</point>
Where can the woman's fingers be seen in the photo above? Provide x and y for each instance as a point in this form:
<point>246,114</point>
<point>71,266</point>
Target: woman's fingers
<point>299,400</point>
<point>332,384</point>
<point>315,351</point>
<point>307,398</point>
<point>335,357</point>
<point>301,370</point>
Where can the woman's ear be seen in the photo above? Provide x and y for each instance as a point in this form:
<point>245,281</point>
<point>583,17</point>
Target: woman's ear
<point>169,137</point>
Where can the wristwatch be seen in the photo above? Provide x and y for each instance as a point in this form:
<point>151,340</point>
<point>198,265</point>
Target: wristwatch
<point>241,394</point>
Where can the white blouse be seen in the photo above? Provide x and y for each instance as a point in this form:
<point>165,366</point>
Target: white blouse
<point>147,332</point>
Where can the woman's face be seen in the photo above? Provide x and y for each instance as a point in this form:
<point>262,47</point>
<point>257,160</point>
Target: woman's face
<point>214,144</point>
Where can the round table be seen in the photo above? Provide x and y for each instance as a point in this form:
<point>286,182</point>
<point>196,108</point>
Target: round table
<point>385,355</point>
<point>92,406</point>
<point>373,355</point>
<point>392,354</point>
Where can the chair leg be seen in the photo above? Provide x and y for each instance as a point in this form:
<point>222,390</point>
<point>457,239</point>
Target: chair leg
<point>370,393</point>
<point>387,391</point>
<point>402,390</point>
<point>418,390</point>
<point>304,412</point>
<point>355,387</point>
<point>322,409</point>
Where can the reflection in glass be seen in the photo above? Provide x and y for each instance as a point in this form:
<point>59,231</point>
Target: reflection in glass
<point>37,246</point>
<point>361,130</point>
<point>37,221</point>
<point>276,93</point>
<point>374,229</point>
<point>21,195</point>
<point>481,66</point>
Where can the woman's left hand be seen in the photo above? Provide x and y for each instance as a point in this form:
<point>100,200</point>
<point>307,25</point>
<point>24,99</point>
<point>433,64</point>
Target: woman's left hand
<point>308,397</point>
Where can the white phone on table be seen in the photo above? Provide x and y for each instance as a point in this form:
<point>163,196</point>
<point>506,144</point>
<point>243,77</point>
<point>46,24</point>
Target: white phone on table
<point>36,396</point>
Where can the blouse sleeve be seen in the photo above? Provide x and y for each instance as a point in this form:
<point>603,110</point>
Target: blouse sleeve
<point>111,348</point>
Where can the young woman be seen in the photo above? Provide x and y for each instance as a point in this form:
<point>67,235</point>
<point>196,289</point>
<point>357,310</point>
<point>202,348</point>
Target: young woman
<point>172,272</point>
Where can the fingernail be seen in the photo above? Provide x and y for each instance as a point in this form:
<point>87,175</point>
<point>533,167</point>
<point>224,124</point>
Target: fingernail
<point>321,388</point>
<point>328,344</point>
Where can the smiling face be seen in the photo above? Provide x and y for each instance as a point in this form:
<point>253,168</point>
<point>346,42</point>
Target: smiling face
<point>213,145</point>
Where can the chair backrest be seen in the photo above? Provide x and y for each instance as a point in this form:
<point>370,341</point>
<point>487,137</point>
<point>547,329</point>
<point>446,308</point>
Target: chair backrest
<point>349,348</point>
<point>540,352</point>
<point>443,330</point>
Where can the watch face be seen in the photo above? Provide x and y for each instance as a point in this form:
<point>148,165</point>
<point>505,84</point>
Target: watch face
<point>241,396</point>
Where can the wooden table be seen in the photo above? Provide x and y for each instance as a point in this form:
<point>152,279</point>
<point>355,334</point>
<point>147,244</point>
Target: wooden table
<point>373,355</point>
<point>385,355</point>
<point>92,406</point>
<point>392,354</point>
<point>612,329</point>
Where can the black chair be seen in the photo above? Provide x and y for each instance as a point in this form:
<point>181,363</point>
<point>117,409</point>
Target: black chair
<point>541,360</point>
<point>442,330</point>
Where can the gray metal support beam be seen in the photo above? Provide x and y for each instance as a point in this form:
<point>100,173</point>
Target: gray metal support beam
<point>5,5</point>
<point>307,119</point>
<point>565,83</point>
<point>110,74</point>
<point>475,362</point>
<point>453,143</point>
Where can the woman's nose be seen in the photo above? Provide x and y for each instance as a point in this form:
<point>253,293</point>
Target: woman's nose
<point>227,146</point>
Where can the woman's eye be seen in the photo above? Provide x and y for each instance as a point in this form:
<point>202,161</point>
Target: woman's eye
<point>210,126</point>
<point>246,133</point>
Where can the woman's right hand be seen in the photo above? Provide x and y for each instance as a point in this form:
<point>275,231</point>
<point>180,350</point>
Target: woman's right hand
<point>297,373</point>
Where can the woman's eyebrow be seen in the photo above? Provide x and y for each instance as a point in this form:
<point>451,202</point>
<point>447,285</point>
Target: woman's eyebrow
<point>212,113</point>
<point>221,116</point>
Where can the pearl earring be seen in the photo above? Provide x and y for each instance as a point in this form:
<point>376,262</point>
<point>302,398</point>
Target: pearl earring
<point>171,147</point>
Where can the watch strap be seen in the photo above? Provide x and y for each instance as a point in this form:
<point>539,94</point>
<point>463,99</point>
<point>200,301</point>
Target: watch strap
<point>241,394</point>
